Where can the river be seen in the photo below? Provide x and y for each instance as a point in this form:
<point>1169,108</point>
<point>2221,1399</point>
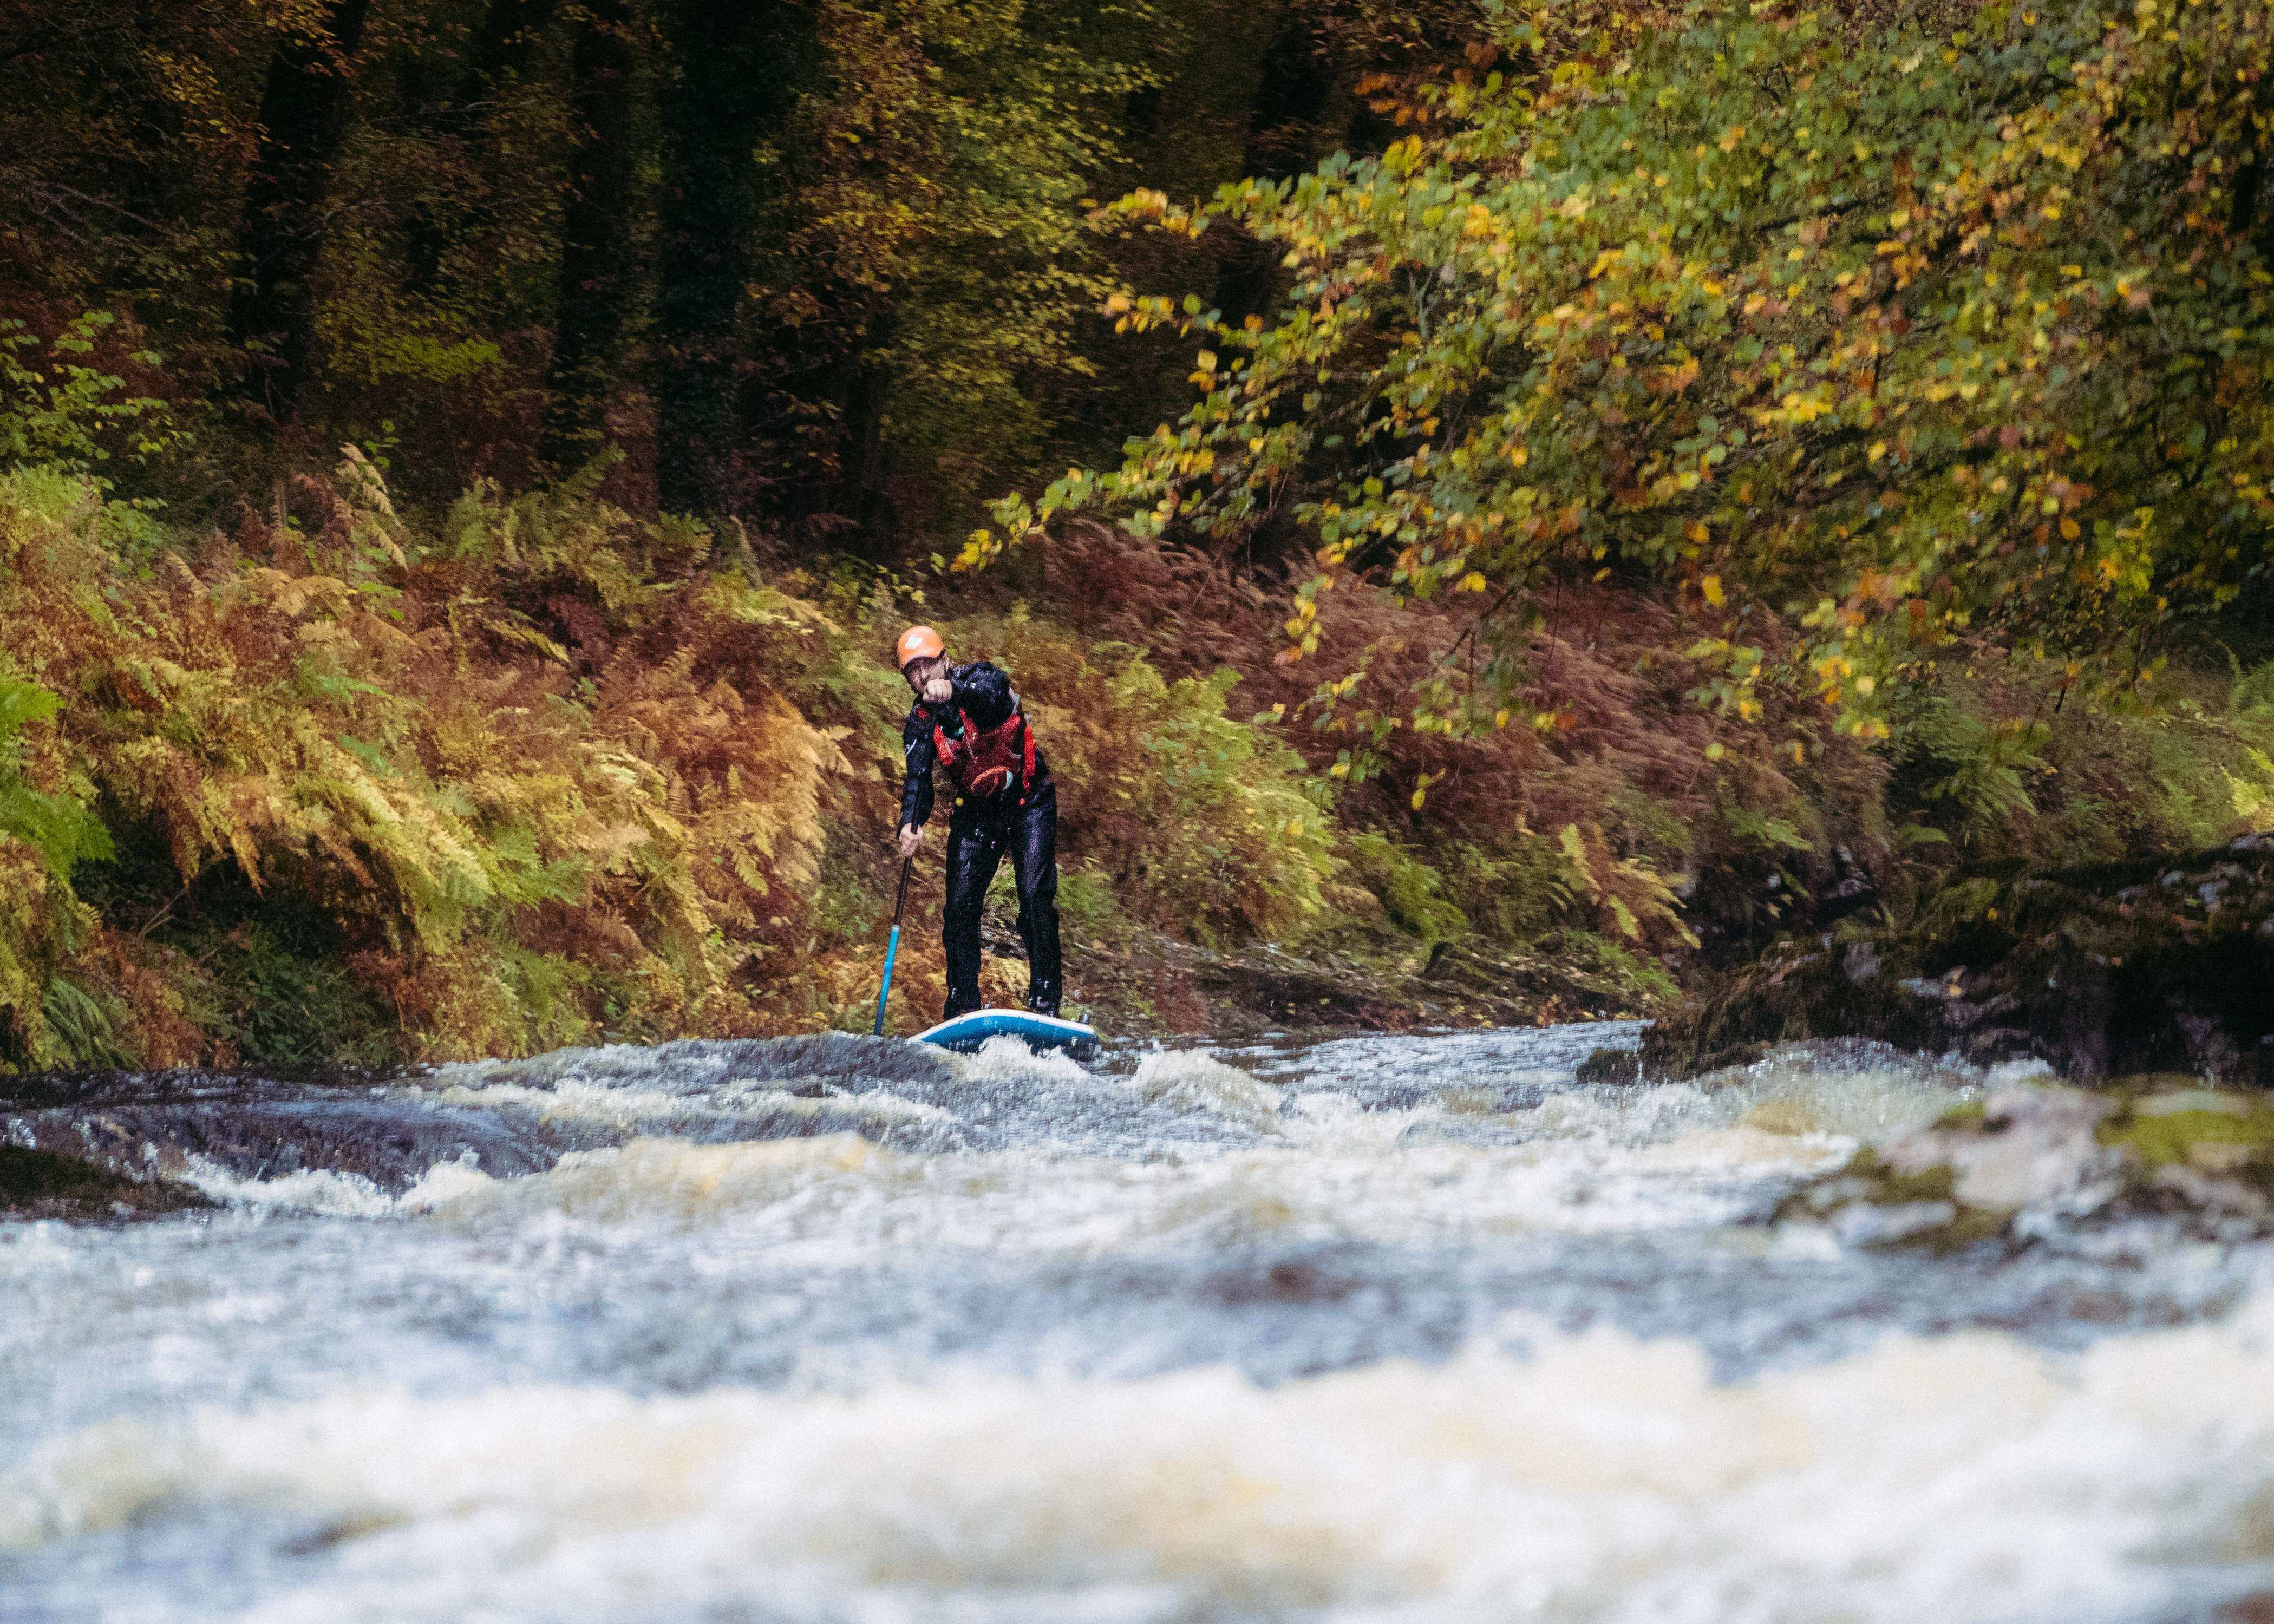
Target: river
<point>1381,1329</point>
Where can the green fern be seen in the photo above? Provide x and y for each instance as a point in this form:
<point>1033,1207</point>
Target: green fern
<point>62,832</point>
<point>1982,764</point>
<point>82,1027</point>
<point>2253,693</point>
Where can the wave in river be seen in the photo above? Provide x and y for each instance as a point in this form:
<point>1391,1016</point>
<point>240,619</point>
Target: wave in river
<point>830,1331</point>
<point>1316,1163</point>
<point>1598,1478</point>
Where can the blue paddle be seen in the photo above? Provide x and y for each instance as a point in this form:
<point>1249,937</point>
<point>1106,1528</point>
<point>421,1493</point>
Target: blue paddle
<point>892,947</point>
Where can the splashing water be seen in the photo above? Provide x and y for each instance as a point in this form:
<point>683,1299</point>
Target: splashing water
<point>1381,1329</point>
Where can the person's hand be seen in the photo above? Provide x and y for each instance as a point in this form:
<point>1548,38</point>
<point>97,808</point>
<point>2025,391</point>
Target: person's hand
<point>911,839</point>
<point>938,691</point>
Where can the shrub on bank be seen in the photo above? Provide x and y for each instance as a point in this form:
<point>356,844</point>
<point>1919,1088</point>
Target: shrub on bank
<point>333,785</point>
<point>539,776</point>
<point>1202,825</point>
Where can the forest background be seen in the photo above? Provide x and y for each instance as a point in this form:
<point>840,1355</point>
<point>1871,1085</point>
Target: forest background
<point>1554,496</point>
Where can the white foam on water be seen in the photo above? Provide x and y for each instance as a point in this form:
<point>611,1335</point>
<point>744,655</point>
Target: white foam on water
<point>1536,1475</point>
<point>644,1181</point>
<point>1792,1093</point>
<point>1007,1059</point>
<point>1349,1176</point>
<point>1191,1079</point>
<point>650,1180</point>
<point>1583,1160</point>
<point>318,1190</point>
<point>1601,1478</point>
<point>632,1108</point>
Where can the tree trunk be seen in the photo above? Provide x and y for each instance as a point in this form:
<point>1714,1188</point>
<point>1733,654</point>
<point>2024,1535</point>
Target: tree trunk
<point>499,52</point>
<point>595,282</point>
<point>863,494</point>
<point>303,118</point>
<point>740,67</point>
<point>502,47</point>
<point>1292,91</point>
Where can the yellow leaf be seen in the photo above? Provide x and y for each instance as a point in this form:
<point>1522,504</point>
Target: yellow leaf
<point>1712,584</point>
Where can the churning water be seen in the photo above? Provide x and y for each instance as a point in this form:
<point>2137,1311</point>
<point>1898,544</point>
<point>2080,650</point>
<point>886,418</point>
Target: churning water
<point>1383,1329</point>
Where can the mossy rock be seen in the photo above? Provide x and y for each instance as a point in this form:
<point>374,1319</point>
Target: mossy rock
<point>1918,1209</point>
<point>2205,1143</point>
<point>2163,1145</point>
<point>42,1184</point>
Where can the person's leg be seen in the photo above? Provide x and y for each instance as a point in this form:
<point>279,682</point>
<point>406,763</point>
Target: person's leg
<point>1035,863</point>
<point>973,856</point>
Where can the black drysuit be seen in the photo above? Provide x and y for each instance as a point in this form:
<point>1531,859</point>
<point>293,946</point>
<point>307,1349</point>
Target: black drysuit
<point>1022,819</point>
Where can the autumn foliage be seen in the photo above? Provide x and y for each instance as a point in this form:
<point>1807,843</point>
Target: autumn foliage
<point>537,779</point>
<point>333,784</point>
<point>1873,345</point>
<point>1681,471</point>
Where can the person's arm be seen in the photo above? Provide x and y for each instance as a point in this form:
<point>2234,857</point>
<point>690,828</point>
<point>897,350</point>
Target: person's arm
<point>918,752</point>
<point>984,694</point>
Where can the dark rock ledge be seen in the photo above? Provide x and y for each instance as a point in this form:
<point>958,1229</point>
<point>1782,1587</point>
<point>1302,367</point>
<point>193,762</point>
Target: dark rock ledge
<point>2154,966</point>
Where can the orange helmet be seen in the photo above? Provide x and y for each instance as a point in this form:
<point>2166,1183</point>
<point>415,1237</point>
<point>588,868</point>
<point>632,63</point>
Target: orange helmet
<point>918,643</point>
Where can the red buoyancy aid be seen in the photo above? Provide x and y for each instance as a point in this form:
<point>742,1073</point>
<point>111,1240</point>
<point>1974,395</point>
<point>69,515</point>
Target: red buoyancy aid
<point>986,762</point>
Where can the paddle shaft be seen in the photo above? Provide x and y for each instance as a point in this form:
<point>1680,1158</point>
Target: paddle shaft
<point>892,947</point>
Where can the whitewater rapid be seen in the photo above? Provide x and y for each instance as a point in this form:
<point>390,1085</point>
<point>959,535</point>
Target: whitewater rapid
<point>1383,1329</point>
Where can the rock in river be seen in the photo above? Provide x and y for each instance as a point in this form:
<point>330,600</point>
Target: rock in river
<point>2156,966</point>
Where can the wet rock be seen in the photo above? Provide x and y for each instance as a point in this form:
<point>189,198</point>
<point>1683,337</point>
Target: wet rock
<point>41,1184</point>
<point>1303,1000</point>
<point>1851,891</point>
<point>2156,1145</point>
<point>1618,1065</point>
<point>161,1124</point>
<point>2212,1149</point>
<point>181,1125</point>
<point>2025,1147</point>
<point>2102,971</point>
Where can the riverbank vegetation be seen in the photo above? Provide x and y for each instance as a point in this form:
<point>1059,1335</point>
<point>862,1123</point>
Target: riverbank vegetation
<point>1631,483</point>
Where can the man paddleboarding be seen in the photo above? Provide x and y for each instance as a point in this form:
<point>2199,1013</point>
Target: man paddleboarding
<point>968,729</point>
